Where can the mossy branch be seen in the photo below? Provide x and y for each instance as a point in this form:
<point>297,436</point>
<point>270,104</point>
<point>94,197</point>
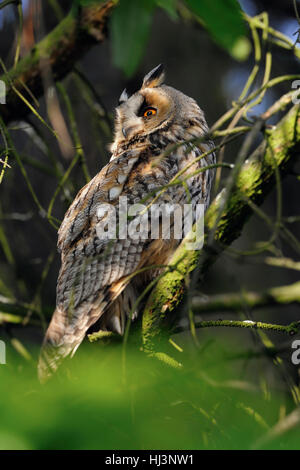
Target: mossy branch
<point>291,329</point>
<point>253,182</point>
<point>60,49</point>
<point>281,295</point>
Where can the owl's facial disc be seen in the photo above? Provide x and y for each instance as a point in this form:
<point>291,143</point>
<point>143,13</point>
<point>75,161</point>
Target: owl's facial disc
<point>157,107</point>
<point>143,113</point>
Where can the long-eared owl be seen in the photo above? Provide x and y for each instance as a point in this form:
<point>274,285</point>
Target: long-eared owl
<point>156,132</point>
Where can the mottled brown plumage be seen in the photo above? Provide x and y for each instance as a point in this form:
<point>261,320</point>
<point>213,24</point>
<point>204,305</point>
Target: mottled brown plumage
<point>95,280</point>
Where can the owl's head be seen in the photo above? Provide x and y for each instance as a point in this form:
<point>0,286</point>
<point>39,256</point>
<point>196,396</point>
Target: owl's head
<point>154,106</point>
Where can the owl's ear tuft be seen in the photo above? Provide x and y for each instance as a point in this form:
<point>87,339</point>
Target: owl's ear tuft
<point>124,96</point>
<point>154,78</point>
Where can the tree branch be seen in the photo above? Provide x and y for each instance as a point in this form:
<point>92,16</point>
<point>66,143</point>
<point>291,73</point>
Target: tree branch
<point>291,329</point>
<point>281,295</point>
<point>82,28</point>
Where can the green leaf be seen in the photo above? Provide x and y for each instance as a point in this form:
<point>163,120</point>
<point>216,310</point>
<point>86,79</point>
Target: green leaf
<point>85,3</point>
<point>169,6</point>
<point>224,21</point>
<point>78,4</point>
<point>130,28</point>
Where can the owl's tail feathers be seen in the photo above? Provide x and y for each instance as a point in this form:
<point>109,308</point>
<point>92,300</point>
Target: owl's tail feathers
<point>66,332</point>
<point>60,342</point>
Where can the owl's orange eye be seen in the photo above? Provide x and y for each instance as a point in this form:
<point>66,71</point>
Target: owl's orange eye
<point>149,112</point>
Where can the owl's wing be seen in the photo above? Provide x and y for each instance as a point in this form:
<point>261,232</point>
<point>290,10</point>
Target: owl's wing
<point>94,269</point>
<point>105,187</point>
<point>91,261</point>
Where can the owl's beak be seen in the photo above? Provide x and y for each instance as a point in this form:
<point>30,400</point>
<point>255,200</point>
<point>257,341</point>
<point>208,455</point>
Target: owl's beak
<point>128,128</point>
<point>126,131</point>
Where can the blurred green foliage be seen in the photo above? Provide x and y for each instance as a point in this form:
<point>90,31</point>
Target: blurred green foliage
<point>95,404</point>
<point>131,26</point>
<point>86,3</point>
<point>130,29</point>
<point>223,20</point>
